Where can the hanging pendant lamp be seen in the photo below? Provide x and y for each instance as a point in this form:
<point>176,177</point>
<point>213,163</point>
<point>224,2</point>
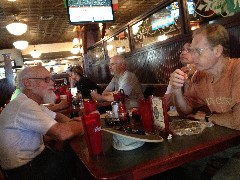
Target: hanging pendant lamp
<point>16,28</point>
<point>35,53</point>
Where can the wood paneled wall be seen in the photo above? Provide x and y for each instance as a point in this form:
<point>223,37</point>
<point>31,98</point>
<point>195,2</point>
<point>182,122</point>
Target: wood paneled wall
<point>154,64</point>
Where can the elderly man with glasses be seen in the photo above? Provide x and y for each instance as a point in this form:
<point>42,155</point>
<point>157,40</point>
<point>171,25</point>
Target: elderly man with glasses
<point>188,68</point>
<point>23,124</point>
<point>215,85</point>
<point>122,79</point>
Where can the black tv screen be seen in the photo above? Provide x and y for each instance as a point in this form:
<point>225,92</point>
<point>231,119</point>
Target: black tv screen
<point>86,11</point>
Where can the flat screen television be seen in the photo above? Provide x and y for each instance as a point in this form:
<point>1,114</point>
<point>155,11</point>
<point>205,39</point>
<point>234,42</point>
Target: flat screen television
<point>87,11</point>
<point>166,17</point>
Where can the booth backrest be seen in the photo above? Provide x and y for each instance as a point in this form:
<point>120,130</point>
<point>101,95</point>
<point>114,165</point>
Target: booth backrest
<point>154,89</point>
<point>147,89</point>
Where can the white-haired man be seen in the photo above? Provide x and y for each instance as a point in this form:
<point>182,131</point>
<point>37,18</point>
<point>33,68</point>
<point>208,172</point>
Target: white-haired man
<point>23,124</point>
<point>122,79</point>
<point>215,85</point>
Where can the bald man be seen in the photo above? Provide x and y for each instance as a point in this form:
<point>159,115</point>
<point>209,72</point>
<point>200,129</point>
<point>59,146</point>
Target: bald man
<point>23,124</point>
<point>122,79</point>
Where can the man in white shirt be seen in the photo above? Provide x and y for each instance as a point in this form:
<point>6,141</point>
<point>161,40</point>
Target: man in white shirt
<point>23,124</point>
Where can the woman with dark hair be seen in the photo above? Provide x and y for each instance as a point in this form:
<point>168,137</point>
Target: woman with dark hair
<point>84,84</point>
<point>6,91</point>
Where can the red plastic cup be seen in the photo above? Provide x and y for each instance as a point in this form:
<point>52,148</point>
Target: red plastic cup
<point>62,90</point>
<point>69,96</point>
<point>58,100</point>
<point>145,110</point>
<point>89,106</point>
<point>93,133</point>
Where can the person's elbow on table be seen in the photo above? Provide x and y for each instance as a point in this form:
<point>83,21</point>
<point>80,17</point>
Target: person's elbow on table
<point>64,131</point>
<point>96,96</point>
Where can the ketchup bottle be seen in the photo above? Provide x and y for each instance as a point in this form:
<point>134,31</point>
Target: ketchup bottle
<point>122,114</point>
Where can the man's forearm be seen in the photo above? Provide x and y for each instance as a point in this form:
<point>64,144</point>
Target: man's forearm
<point>57,107</point>
<point>180,102</point>
<point>107,96</point>
<point>61,118</point>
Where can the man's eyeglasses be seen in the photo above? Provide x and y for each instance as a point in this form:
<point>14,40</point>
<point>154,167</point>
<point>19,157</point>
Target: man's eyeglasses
<point>197,51</point>
<point>185,51</point>
<point>112,64</point>
<point>46,79</point>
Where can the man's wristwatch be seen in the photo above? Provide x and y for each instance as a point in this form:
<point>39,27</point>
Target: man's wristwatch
<point>207,116</point>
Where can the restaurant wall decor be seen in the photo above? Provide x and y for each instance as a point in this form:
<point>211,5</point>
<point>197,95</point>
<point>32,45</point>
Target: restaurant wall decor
<point>153,60</point>
<point>219,7</point>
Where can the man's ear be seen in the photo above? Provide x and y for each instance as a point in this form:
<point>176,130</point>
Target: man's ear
<point>218,50</point>
<point>123,65</point>
<point>27,84</point>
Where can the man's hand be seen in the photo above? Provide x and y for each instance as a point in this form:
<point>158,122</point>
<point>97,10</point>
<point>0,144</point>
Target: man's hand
<point>63,104</point>
<point>96,96</point>
<point>177,79</point>
<point>106,96</point>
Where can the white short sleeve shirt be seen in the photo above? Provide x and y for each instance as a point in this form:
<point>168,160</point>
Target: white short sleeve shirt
<point>22,126</point>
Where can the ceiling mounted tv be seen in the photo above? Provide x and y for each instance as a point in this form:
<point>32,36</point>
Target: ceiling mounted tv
<point>87,11</point>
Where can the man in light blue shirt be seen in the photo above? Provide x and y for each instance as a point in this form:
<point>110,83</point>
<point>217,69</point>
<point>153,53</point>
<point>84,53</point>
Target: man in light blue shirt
<point>122,79</point>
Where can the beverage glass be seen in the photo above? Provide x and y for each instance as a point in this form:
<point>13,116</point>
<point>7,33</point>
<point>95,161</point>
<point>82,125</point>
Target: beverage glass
<point>94,90</point>
<point>187,70</point>
<point>115,109</point>
<point>93,133</point>
<point>74,91</point>
<point>63,97</point>
<point>145,110</point>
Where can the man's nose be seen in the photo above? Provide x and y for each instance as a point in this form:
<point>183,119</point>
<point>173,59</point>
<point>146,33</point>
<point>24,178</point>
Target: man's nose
<point>52,82</point>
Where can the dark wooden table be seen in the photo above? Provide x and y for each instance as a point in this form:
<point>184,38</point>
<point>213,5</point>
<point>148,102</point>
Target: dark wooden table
<point>153,158</point>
